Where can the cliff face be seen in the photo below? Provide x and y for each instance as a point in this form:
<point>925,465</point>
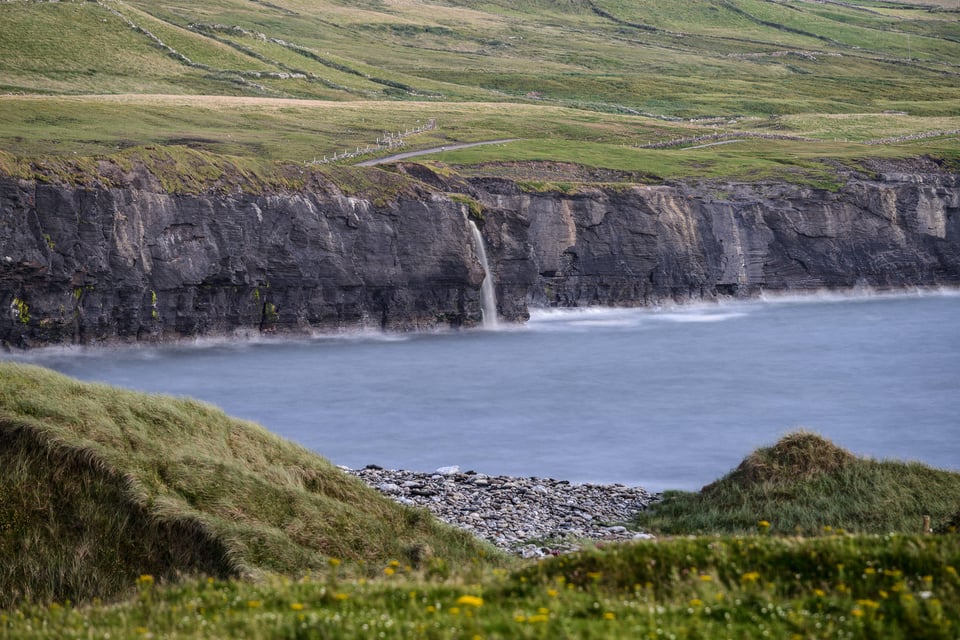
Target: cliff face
<point>86,265</point>
<point>134,262</point>
<point>642,245</point>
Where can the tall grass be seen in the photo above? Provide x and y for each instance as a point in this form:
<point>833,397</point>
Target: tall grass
<point>805,484</point>
<point>100,485</point>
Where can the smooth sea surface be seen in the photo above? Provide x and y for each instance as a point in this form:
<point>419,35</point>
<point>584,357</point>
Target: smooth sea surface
<point>661,398</point>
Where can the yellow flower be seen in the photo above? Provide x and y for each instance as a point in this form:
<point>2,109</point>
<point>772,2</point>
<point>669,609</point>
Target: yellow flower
<point>552,593</point>
<point>394,563</point>
<point>869,604</point>
<point>751,576</point>
<point>594,575</point>
<point>141,630</point>
<point>389,571</point>
<point>454,610</point>
<point>431,608</point>
<point>341,596</point>
<point>543,611</point>
<point>537,618</point>
<point>297,606</point>
<point>869,571</point>
<point>706,578</point>
<point>696,602</point>
<point>145,579</point>
<point>470,601</point>
<point>519,618</point>
<point>951,571</point>
<point>763,526</point>
<point>857,613</point>
<point>819,593</point>
<point>253,604</point>
<point>609,615</point>
<point>334,562</point>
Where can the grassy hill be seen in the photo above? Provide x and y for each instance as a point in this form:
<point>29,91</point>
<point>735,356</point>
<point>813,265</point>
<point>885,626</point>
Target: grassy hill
<point>99,486</point>
<point>805,484</point>
<point>589,81</point>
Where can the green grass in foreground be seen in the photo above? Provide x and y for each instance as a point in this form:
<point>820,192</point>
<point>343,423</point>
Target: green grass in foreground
<point>805,483</point>
<point>753,587</point>
<point>99,485</point>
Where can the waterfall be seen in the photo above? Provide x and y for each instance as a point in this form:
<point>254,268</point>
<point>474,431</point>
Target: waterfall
<point>488,297</point>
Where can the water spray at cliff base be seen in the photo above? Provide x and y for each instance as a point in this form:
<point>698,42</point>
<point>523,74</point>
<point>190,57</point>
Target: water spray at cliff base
<point>488,297</point>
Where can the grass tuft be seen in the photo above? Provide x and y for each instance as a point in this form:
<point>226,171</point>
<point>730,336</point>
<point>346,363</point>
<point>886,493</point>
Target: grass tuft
<point>797,456</point>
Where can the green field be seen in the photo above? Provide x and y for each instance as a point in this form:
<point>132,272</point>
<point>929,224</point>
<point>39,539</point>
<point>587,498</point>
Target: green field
<point>578,81</point>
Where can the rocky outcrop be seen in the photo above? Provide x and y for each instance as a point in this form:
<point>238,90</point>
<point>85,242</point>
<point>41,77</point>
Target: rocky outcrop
<point>133,262</point>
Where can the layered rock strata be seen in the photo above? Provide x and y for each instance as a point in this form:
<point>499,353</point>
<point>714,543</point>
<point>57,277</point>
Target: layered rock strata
<point>133,262</point>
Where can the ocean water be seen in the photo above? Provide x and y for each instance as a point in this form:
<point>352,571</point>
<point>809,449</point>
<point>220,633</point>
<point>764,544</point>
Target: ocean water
<point>660,398</point>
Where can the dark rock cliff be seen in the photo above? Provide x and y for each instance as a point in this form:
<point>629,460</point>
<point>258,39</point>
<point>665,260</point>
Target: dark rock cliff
<point>134,263</point>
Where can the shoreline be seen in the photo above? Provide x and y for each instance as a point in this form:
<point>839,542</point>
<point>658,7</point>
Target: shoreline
<point>252,336</point>
<point>529,516</point>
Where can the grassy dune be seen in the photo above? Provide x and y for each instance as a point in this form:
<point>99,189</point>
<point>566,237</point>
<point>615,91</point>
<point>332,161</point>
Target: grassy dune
<point>805,485</point>
<point>100,485</point>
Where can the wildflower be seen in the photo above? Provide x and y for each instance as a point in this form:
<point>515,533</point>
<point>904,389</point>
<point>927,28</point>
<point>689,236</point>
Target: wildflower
<point>609,615</point>
<point>857,613</point>
<point>868,604</point>
<point>951,570</point>
<point>393,563</point>
<point>146,579</point>
<point>142,631</point>
<point>389,571</point>
<point>819,593</point>
<point>552,593</point>
<point>431,608</point>
<point>296,606</point>
<point>594,575</point>
<point>883,594</point>
<point>827,528</point>
<point>537,618</point>
<point>470,601</point>
<point>340,596</point>
<point>763,526</point>
<point>334,562</point>
<point>543,611</point>
<point>869,571</point>
<point>705,578</point>
<point>751,576</point>
<point>454,611</point>
<point>519,618</point>
<point>696,602</point>
<point>925,594</point>
<point>253,604</point>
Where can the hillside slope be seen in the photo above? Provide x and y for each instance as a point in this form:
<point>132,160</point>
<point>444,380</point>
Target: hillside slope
<point>100,485</point>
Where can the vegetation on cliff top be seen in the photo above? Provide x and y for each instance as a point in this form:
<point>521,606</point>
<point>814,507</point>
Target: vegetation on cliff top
<point>784,85</point>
